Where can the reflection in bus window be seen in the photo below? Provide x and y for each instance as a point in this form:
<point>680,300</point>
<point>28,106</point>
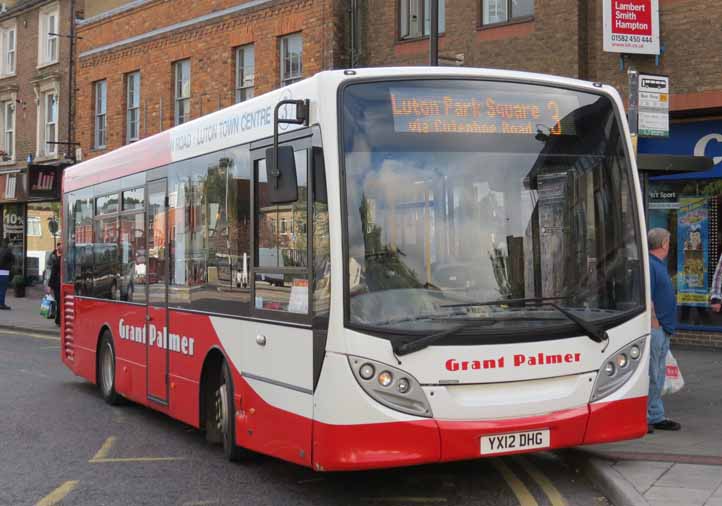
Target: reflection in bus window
<point>209,232</point>
<point>132,257</point>
<point>282,229</point>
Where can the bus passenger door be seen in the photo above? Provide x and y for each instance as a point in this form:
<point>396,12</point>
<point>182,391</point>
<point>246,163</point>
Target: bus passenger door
<point>156,275</point>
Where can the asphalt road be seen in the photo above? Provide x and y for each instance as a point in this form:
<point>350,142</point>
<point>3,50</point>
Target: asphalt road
<point>61,444</point>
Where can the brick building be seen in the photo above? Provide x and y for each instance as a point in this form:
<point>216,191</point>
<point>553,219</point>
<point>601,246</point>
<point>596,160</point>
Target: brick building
<point>147,65</point>
<point>565,37</point>
<point>35,136</point>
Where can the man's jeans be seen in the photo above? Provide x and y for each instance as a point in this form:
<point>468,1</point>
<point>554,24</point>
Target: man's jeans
<point>4,279</point>
<point>657,367</point>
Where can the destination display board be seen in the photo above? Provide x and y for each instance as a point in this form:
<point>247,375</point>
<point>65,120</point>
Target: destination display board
<point>486,111</point>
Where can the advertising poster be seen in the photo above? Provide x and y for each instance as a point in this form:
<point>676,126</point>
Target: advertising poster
<point>692,251</point>
<point>631,26</point>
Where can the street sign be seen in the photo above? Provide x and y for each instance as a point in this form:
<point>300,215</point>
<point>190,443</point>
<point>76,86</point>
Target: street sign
<point>653,106</point>
<point>631,26</point>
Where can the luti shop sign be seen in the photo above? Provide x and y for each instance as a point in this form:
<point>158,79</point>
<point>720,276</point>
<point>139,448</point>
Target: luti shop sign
<point>43,182</point>
<point>631,26</point>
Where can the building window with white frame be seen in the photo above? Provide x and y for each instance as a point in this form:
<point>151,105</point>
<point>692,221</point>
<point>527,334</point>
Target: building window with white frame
<point>182,91</point>
<point>245,69</point>
<point>415,18</point>
<point>34,227</point>
<point>505,11</point>
<point>100,113</point>
<point>8,43</point>
<point>291,59</point>
<point>48,38</point>
<point>132,130</point>
<point>50,102</point>
<point>7,108</point>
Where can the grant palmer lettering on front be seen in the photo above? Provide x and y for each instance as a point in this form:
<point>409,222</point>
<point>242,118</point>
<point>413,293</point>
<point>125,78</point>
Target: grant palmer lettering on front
<point>516,360</point>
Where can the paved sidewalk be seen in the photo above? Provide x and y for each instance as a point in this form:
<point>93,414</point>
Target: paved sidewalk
<point>25,313</point>
<point>671,468</point>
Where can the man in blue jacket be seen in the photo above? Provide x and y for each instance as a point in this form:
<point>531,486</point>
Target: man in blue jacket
<point>664,323</point>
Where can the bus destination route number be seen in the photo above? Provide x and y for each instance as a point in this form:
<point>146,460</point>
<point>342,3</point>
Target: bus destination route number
<point>515,441</point>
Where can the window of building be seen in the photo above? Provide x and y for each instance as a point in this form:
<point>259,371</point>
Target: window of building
<point>245,68</point>
<point>34,227</point>
<point>132,98</point>
<point>8,48</point>
<point>49,111</point>
<point>47,37</point>
<point>504,11</point>
<point>182,91</point>
<point>291,59</point>
<point>100,111</point>
<point>415,18</point>
<point>7,109</point>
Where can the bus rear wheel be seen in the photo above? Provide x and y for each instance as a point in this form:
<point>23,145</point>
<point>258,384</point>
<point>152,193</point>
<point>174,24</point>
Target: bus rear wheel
<point>106,370</point>
<point>224,415</point>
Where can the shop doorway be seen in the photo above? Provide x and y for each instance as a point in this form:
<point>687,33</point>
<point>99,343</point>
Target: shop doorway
<point>42,233</point>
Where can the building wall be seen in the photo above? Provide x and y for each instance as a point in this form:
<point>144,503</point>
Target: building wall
<point>545,44</point>
<point>210,46</point>
<point>28,73</point>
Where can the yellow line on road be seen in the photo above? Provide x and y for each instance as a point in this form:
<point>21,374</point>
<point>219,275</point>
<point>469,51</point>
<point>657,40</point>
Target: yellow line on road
<point>517,486</point>
<point>105,449</point>
<point>135,459</point>
<point>545,483</point>
<point>22,333</point>
<point>201,503</point>
<point>420,500</point>
<point>58,494</point>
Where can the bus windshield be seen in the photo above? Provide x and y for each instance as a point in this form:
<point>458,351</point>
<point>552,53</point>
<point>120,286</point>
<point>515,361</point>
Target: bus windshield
<point>488,203</point>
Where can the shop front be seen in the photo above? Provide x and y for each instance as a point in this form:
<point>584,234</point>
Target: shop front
<point>30,209</point>
<point>689,205</point>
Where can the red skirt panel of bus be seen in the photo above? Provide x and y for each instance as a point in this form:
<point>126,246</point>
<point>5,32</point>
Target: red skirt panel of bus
<point>616,420</point>
<point>350,447</point>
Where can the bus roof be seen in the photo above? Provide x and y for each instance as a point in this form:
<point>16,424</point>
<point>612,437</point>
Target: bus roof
<point>253,120</point>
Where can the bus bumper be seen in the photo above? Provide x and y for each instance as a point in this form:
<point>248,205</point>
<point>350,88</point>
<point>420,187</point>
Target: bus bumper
<point>393,444</point>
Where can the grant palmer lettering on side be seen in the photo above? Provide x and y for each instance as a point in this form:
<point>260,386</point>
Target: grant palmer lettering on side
<point>154,337</point>
<point>517,360</point>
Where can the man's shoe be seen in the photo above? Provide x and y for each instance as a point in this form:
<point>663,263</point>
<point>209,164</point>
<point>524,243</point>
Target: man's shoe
<point>4,306</point>
<point>650,428</point>
<point>667,425</point>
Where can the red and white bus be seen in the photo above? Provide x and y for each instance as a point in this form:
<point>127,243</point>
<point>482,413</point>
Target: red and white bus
<point>371,268</point>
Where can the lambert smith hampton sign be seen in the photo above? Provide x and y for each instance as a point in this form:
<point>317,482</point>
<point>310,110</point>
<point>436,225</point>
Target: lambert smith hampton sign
<point>631,26</point>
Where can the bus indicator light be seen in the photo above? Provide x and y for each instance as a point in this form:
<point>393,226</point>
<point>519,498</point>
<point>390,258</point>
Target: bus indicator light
<point>385,378</point>
<point>367,371</point>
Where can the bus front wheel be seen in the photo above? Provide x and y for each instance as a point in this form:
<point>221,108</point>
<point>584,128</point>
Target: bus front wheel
<point>106,369</point>
<point>224,415</point>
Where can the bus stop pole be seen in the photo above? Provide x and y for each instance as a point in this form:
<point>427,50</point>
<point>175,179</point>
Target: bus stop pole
<point>434,35</point>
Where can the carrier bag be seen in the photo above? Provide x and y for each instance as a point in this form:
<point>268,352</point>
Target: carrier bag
<point>673,381</point>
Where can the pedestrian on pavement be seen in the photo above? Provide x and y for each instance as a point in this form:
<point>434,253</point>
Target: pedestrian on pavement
<point>664,323</point>
<point>715,298</point>
<point>6,265</point>
<point>56,259</point>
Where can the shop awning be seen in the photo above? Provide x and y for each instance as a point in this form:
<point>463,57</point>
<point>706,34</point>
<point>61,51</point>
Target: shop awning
<point>678,167</point>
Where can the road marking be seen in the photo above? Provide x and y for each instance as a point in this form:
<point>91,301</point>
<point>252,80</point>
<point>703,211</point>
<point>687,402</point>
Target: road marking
<point>22,333</point>
<point>201,503</point>
<point>105,449</point>
<point>58,494</point>
<point>545,483</point>
<point>420,500</point>
<point>517,486</point>
<point>135,459</point>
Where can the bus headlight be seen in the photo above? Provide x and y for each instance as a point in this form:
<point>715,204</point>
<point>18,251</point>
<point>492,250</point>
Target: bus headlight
<point>392,387</point>
<point>618,368</point>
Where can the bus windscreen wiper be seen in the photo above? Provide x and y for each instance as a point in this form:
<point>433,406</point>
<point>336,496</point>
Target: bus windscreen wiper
<point>590,329</point>
<point>404,348</point>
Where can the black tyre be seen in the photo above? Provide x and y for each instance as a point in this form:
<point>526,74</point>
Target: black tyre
<point>225,415</point>
<point>106,370</point>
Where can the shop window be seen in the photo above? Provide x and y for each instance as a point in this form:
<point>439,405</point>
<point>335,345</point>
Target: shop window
<point>690,211</point>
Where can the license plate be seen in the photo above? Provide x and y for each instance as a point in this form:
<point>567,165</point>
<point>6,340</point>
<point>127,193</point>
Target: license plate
<point>515,441</point>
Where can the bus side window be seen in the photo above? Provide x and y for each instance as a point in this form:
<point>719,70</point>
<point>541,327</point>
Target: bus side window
<point>282,244</point>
